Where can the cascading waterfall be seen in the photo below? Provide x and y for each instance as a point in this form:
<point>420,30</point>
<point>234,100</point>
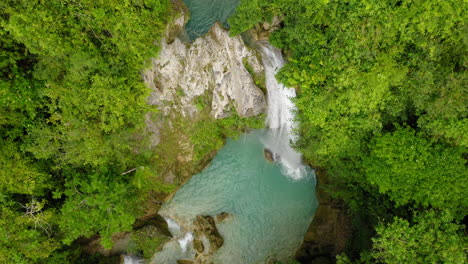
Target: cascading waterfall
<point>280,118</point>
<point>270,204</point>
<point>173,227</point>
<point>180,247</point>
<point>132,260</point>
<point>184,238</point>
<point>185,241</point>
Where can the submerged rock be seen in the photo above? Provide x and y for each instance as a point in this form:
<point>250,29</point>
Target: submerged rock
<point>198,246</point>
<point>205,226</point>
<point>185,261</point>
<point>214,66</point>
<point>269,156</point>
<point>222,216</point>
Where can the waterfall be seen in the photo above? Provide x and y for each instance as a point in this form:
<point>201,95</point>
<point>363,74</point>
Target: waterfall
<point>280,117</point>
<point>132,260</point>
<point>173,227</point>
<point>185,241</point>
<point>180,247</point>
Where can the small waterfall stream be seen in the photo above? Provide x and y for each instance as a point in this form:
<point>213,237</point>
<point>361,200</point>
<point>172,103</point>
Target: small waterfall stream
<point>280,118</point>
<point>270,204</point>
<point>132,260</point>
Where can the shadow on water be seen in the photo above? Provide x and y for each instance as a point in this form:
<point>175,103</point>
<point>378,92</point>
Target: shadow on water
<point>204,13</point>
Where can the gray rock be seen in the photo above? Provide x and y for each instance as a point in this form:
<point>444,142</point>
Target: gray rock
<point>214,66</point>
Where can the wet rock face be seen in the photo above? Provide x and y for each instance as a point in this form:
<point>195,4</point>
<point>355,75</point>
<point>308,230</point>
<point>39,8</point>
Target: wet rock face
<point>330,230</point>
<point>212,66</point>
<point>262,31</point>
<point>185,261</point>
<point>155,220</point>
<point>205,226</point>
<point>94,246</point>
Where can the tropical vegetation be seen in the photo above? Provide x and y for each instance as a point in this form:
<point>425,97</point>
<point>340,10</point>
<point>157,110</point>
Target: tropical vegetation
<point>382,106</point>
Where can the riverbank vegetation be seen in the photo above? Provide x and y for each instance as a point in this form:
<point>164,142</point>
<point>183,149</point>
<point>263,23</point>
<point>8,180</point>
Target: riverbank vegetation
<point>77,155</point>
<point>382,106</point>
<point>72,106</point>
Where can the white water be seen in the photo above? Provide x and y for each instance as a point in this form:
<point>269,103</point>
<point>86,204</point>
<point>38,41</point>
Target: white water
<point>271,212</point>
<point>180,247</point>
<point>173,227</point>
<point>185,241</point>
<point>132,260</point>
<point>280,118</point>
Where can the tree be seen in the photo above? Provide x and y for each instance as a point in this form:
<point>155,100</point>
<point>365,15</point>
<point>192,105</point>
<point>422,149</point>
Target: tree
<point>98,203</point>
<point>409,167</point>
<point>431,238</point>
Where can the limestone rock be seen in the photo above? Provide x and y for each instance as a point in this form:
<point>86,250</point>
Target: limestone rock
<point>198,245</point>
<point>211,66</point>
<point>222,216</point>
<point>262,31</point>
<point>205,225</point>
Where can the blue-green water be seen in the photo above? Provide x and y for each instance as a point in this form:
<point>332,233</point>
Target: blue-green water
<point>204,13</point>
<point>270,211</point>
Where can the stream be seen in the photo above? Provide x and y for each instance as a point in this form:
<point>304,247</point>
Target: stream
<point>268,204</point>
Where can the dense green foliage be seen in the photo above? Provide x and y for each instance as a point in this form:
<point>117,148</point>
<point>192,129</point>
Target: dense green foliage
<point>426,173</point>
<point>382,105</point>
<point>431,239</point>
<point>72,106</point>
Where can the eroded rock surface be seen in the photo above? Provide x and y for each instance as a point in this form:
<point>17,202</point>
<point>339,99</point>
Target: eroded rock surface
<point>205,226</point>
<point>214,66</point>
<point>330,230</point>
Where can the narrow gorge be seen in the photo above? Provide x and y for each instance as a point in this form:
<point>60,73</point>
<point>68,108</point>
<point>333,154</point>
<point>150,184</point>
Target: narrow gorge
<point>244,207</point>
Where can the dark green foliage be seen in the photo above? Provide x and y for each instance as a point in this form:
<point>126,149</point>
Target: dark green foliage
<point>97,204</point>
<point>411,168</point>
<point>432,238</point>
<point>72,106</point>
<point>25,231</point>
<point>382,101</point>
<point>146,241</point>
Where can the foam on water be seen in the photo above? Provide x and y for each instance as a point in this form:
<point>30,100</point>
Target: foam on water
<point>132,260</point>
<point>270,213</point>
<point>173,227</point>
<point>185,241</point>
<point>280,118</point>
